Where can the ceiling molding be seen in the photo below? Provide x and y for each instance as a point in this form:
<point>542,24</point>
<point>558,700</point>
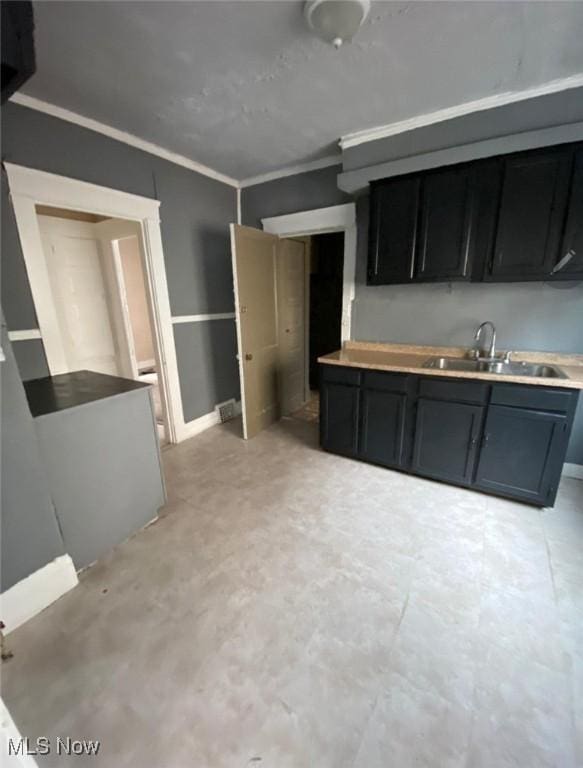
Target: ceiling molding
<point>292,170</point>
<point>357,180</point>
<point>126,138</point>
<point>478,105</point>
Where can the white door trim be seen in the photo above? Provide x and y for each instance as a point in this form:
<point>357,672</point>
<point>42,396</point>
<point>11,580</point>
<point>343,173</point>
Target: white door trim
<point>336,218</point>
<point>28,335</point>
<point>29,187</point>
<point>177,319</point>
<point>238,328</point>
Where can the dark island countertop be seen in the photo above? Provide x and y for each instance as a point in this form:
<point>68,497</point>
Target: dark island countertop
<point>68,390</point>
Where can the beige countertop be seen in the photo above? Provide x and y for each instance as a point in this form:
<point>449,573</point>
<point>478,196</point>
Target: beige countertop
<point>406,358</point>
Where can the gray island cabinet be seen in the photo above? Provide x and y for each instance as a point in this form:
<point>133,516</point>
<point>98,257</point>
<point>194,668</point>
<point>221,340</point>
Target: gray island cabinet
<point>99,450</point>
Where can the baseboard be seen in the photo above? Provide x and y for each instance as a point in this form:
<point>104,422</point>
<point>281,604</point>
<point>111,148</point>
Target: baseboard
<point>36,592</point>
<point>573,470</point>
<point>196,426</point>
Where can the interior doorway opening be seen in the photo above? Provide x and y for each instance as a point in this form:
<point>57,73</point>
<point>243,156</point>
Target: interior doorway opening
<point>323,312</point>
<point>292,306</point>
<point>98,290</point>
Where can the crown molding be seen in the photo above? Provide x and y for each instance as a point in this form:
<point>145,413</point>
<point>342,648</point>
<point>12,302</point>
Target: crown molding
<point>126,138</point>
<point>292,170</point>
<point>468,107</point>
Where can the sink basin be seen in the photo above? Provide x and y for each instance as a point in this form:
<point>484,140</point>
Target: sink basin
<point>498,366</point>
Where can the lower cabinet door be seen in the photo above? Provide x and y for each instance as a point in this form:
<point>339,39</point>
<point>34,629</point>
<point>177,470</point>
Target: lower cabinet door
<point>522,453</point>
<point>446,440</point>
<point>339,418</point>
<point>382,433</point>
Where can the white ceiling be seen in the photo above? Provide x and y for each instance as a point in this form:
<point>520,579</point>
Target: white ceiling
<point>244,88</point>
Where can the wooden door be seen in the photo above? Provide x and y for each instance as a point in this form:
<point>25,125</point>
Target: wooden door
<point>446,439</point>
<point>520,449</point>
<point>444,240</point>
<point>291,276</point>
<point>393,230</point>
<point>254,255</point>
<point>80,296</point>
<point>531,214</point>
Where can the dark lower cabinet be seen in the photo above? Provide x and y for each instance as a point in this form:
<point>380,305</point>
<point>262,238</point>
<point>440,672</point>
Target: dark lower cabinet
<point>382,429</point>
<point>506,439</point>
<point>339,417</point>
<point>446,440</point>
<point>522,453</point>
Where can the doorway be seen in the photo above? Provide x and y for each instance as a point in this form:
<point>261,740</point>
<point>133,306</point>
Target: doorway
<point>282,325</point>
<point>97,287</point>
<point>326,271</point>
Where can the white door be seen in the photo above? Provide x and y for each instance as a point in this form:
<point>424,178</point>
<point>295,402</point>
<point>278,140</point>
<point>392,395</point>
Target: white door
<point>269,301</point>
<point>76,275</point>
<point>109,233</point>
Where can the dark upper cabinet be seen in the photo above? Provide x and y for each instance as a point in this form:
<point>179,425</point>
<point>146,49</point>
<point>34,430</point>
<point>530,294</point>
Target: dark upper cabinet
<point>522,453</point>
<point>384,419</point>
<point>446,440</point>
<point>394,209</point>
<point>17,49</point>
<point>443,249</point>
<point>569,264</point>
<point>508,218</point>
<point>531,212</point>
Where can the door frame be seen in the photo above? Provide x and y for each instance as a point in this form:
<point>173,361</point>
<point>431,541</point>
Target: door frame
<point>319,221</point>
<point>30,187</point>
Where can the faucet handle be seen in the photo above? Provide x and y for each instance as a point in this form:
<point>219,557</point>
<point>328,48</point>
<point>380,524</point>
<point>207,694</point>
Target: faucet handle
<point>507,354</point>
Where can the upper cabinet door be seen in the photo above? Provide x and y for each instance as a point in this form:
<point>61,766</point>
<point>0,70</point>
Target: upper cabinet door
<point>446,214</point>
<point>530,217</point>
<point>393,226</point>
<point>569,264</point>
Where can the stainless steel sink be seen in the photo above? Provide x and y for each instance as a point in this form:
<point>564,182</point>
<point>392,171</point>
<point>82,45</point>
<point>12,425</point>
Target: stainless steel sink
<point>495,366</point>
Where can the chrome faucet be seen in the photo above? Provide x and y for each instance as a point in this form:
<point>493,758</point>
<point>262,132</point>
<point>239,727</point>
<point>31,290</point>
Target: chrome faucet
<point>492,350</point>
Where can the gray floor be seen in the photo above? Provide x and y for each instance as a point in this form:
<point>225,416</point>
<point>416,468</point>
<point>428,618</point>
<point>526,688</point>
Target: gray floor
<point>294,609</point>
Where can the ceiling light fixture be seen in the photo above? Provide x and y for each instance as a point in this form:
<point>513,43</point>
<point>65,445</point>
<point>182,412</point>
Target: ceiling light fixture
<point>336,21</point>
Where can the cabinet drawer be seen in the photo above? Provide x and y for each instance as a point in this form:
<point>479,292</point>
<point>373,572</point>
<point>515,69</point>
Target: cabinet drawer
<point>454,390</point>
<point>535,398</point>
<point>385,382</point>
<point>341,375</point>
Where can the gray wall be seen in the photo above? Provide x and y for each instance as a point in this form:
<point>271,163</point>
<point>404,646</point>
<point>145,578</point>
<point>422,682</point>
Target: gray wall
<point>552,119</point>
<point>202,362</point>
<point>30,359</point>
<point>195,212</point>
<point>509,120</point>
<point>314,189</point>
<point>29,531</point>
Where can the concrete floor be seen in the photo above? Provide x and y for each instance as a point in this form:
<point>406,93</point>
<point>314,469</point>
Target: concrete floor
<point>294,609</point>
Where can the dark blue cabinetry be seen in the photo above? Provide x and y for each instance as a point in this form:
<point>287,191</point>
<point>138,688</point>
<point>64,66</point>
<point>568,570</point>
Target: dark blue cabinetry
<point>506,439</point>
